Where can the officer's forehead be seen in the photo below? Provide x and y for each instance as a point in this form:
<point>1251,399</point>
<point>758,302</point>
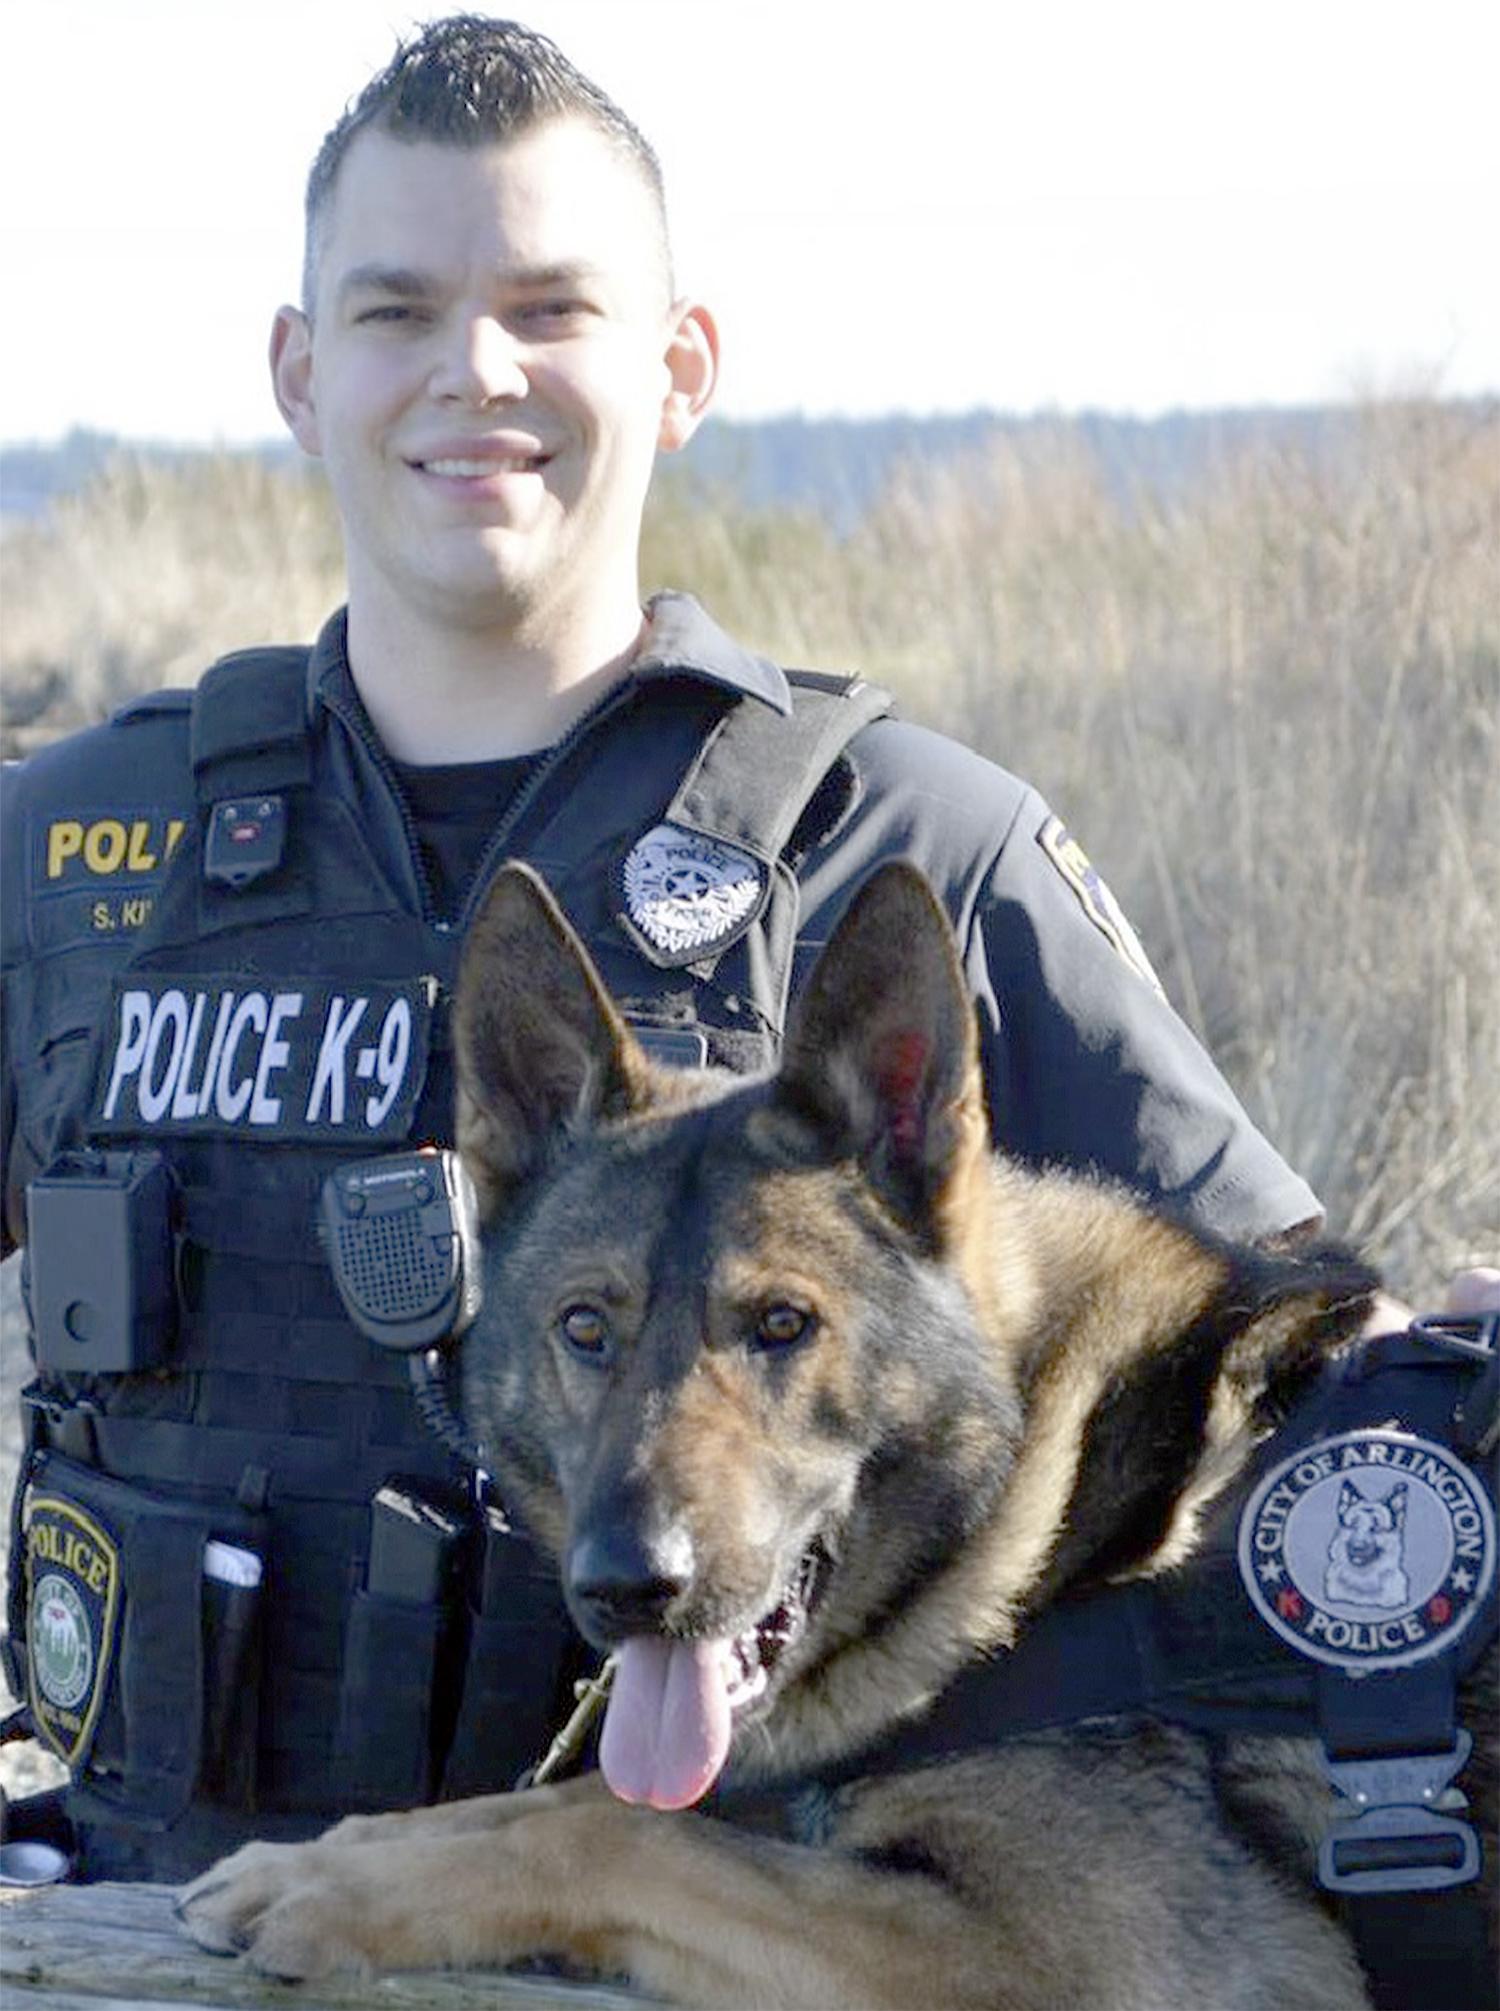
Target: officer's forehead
<point>559,193</point>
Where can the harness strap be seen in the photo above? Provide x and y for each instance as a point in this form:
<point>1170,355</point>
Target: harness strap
<point>759,769</point>
<point>1187,1646</point>
<point>1425,1951</point>
<point>250,730</point>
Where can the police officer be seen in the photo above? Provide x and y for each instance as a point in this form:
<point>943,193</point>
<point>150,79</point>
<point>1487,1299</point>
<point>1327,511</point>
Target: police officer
<point>250,1592</point>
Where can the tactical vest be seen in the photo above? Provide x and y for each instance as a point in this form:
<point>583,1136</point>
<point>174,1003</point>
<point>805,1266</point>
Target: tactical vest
<point>287,1010</point>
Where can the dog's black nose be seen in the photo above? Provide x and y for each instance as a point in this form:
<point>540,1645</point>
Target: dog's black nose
<point>622,1582</point>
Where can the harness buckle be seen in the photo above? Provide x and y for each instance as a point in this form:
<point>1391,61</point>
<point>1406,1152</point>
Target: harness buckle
<point>1474,1335</point>
<point>1475,1339</point>
<point>1398,1842</point>
<point>65,1423</point>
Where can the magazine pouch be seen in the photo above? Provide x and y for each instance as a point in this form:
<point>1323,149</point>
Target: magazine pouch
<point>523,1653</point>
<point>388,1701</point>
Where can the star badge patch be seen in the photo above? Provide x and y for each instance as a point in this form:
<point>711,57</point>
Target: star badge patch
<point>689,896</point>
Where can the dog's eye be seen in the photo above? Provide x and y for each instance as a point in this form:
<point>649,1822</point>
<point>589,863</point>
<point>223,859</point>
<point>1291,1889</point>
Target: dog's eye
<point>781,1325</point>
<point>585,1328</point>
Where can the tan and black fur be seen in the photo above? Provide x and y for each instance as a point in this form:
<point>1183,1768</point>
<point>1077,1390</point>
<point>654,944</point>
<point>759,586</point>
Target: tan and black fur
<point>733,1325</point>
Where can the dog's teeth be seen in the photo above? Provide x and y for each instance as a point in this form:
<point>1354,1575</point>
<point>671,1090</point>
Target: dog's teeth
<point>745,1688</point>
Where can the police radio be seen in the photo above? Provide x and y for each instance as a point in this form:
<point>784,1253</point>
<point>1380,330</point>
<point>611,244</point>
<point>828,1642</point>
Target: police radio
<point>401,1234</point>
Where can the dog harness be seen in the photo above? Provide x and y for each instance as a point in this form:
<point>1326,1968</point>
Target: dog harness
<point>1342,1592</point>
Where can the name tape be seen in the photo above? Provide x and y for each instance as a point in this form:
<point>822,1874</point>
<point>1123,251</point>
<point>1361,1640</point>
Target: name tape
<point>306,1060</point>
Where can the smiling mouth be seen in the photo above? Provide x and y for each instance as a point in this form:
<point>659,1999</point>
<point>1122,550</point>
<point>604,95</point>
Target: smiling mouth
<point>478,469</point>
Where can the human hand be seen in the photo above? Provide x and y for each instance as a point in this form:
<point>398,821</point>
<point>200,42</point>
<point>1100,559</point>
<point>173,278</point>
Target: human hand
<point>1469,1292</point>
<point>1474,1291</point>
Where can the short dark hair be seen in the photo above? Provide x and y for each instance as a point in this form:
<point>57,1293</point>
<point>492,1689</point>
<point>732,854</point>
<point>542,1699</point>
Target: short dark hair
<point>471,81</point>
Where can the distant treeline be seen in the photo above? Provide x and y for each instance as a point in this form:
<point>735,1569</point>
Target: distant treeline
<point>834,466</point>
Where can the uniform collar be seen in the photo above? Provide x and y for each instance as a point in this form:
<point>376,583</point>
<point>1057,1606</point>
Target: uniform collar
<point>681,641</point>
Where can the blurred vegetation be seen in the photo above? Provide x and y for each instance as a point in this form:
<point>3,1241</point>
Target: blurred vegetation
<point>1267,699</point>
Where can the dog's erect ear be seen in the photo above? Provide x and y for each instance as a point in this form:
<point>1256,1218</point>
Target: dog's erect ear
<point>1179,1405</point>
<point>882,1053</point>
<point>539,1042</point>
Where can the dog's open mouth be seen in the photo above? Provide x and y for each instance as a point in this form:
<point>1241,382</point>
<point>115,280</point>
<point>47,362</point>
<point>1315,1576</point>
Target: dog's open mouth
<point>671,1711</point>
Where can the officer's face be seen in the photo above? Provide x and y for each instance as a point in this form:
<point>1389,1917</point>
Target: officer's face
<point>490,369</point>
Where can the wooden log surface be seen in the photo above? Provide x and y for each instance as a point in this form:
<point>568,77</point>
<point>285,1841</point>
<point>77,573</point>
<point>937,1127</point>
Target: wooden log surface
<point>118,1948</point>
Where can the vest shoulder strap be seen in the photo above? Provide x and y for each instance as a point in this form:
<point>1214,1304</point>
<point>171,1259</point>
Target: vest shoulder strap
<point>250,729</point>
<point>759,768</point>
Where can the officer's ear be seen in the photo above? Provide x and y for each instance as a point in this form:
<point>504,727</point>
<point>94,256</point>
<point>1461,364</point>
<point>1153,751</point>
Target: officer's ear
<point>693,361</point>
<point>291,376</point>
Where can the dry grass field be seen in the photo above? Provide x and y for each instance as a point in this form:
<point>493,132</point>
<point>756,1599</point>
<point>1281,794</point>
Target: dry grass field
<point>1269,703</point>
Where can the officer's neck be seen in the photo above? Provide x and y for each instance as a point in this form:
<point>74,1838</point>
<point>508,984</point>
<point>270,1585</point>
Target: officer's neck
<point>437,692</point>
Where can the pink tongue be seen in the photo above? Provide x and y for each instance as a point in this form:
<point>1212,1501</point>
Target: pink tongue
<point>666,1732</point>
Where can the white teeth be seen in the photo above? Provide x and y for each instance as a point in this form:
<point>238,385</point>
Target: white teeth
<point>742,1689</point>
<point>522,463</point>
<point>744,1678</point>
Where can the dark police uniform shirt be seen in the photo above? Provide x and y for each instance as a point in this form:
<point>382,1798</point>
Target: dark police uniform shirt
<point>1086,1063</point>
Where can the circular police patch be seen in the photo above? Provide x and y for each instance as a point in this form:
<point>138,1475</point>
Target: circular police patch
<point>1368,1551</point>
<point>64,1652</point>
<point>686,894</point>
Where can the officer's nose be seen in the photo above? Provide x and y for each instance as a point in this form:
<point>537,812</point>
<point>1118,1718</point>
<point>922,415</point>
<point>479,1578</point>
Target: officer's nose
<point>621,1581</point>
<point>480,363</point>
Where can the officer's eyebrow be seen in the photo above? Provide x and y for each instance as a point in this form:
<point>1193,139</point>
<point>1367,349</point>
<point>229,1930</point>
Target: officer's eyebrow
<point>405,282</point>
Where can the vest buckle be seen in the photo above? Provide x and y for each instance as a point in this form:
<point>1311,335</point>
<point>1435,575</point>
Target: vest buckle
<point>1398,1842</point>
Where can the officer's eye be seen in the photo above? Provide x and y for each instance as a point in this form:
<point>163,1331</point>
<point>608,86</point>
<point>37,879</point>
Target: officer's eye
<point>782,1325</point>
<point>388,314</point>
<point>585,1329</point>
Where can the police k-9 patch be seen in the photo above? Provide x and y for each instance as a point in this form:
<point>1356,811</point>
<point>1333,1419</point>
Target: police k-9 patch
<point>1368,1551</point>
<point>689,896</point>
<point>1094,897</point>
<point>300,1059</point>
<point>72,1620</point>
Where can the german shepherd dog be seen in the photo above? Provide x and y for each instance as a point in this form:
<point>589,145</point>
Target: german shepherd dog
<point>817,1401</point>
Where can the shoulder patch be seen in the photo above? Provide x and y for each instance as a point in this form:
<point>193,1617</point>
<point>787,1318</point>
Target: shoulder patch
<point>1371,1550</point>
<point>95,872</point>
<point>1094,897</point>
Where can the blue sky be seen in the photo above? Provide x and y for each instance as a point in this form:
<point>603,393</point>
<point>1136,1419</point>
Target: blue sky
<point>1068,205</point>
